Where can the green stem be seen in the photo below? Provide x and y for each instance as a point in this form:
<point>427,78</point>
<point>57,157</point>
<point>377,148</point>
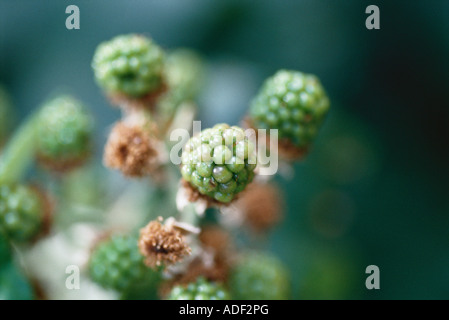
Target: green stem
<point>19,152</point>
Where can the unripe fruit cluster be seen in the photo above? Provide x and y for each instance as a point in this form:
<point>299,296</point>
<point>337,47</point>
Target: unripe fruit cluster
<point>64,131</point>
<point>21,212</point>
<point>219,162</point>
<point>129,64</point>
<point>293,102</point>
<point>117,263</point>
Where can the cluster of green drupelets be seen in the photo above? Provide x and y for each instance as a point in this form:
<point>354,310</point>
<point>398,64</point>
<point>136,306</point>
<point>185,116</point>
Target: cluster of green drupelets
<point>219,162</point>
<point>21,212</point>
<point>292,102</point>
<point>117,264</point>
<point>129,64</point>
<point>64,131</point>
<point>135,68</point>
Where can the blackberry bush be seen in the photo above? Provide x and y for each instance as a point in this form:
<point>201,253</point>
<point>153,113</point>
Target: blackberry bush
<point>201,289</point>
<point>21,212</point>
<point>292,102</point>
<point>156,92</point>
<point>219,163</point>
<point>129,64</point>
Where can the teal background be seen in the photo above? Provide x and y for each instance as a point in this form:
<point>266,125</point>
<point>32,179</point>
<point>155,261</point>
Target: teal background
<point>375,187</point>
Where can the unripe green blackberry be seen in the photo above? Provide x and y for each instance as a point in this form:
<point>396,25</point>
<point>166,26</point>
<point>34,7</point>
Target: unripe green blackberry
<point>219,162</point>
<point>129,64</point>
<point>63,132</point>
<point>21,212</point>
<point>259,276</point>
<point>199,290</point>
<point>117,264</point>
<point>293,102</point>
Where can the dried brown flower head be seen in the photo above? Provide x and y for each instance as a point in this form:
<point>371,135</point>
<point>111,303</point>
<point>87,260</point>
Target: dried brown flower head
<point>162,244</point>
<point>261,205</point>
<point>131,150</point>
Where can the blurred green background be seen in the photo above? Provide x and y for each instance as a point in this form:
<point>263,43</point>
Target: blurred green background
<point>375,188</point>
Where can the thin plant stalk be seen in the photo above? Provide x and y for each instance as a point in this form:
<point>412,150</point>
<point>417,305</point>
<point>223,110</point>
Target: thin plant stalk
<point>19,152</point>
